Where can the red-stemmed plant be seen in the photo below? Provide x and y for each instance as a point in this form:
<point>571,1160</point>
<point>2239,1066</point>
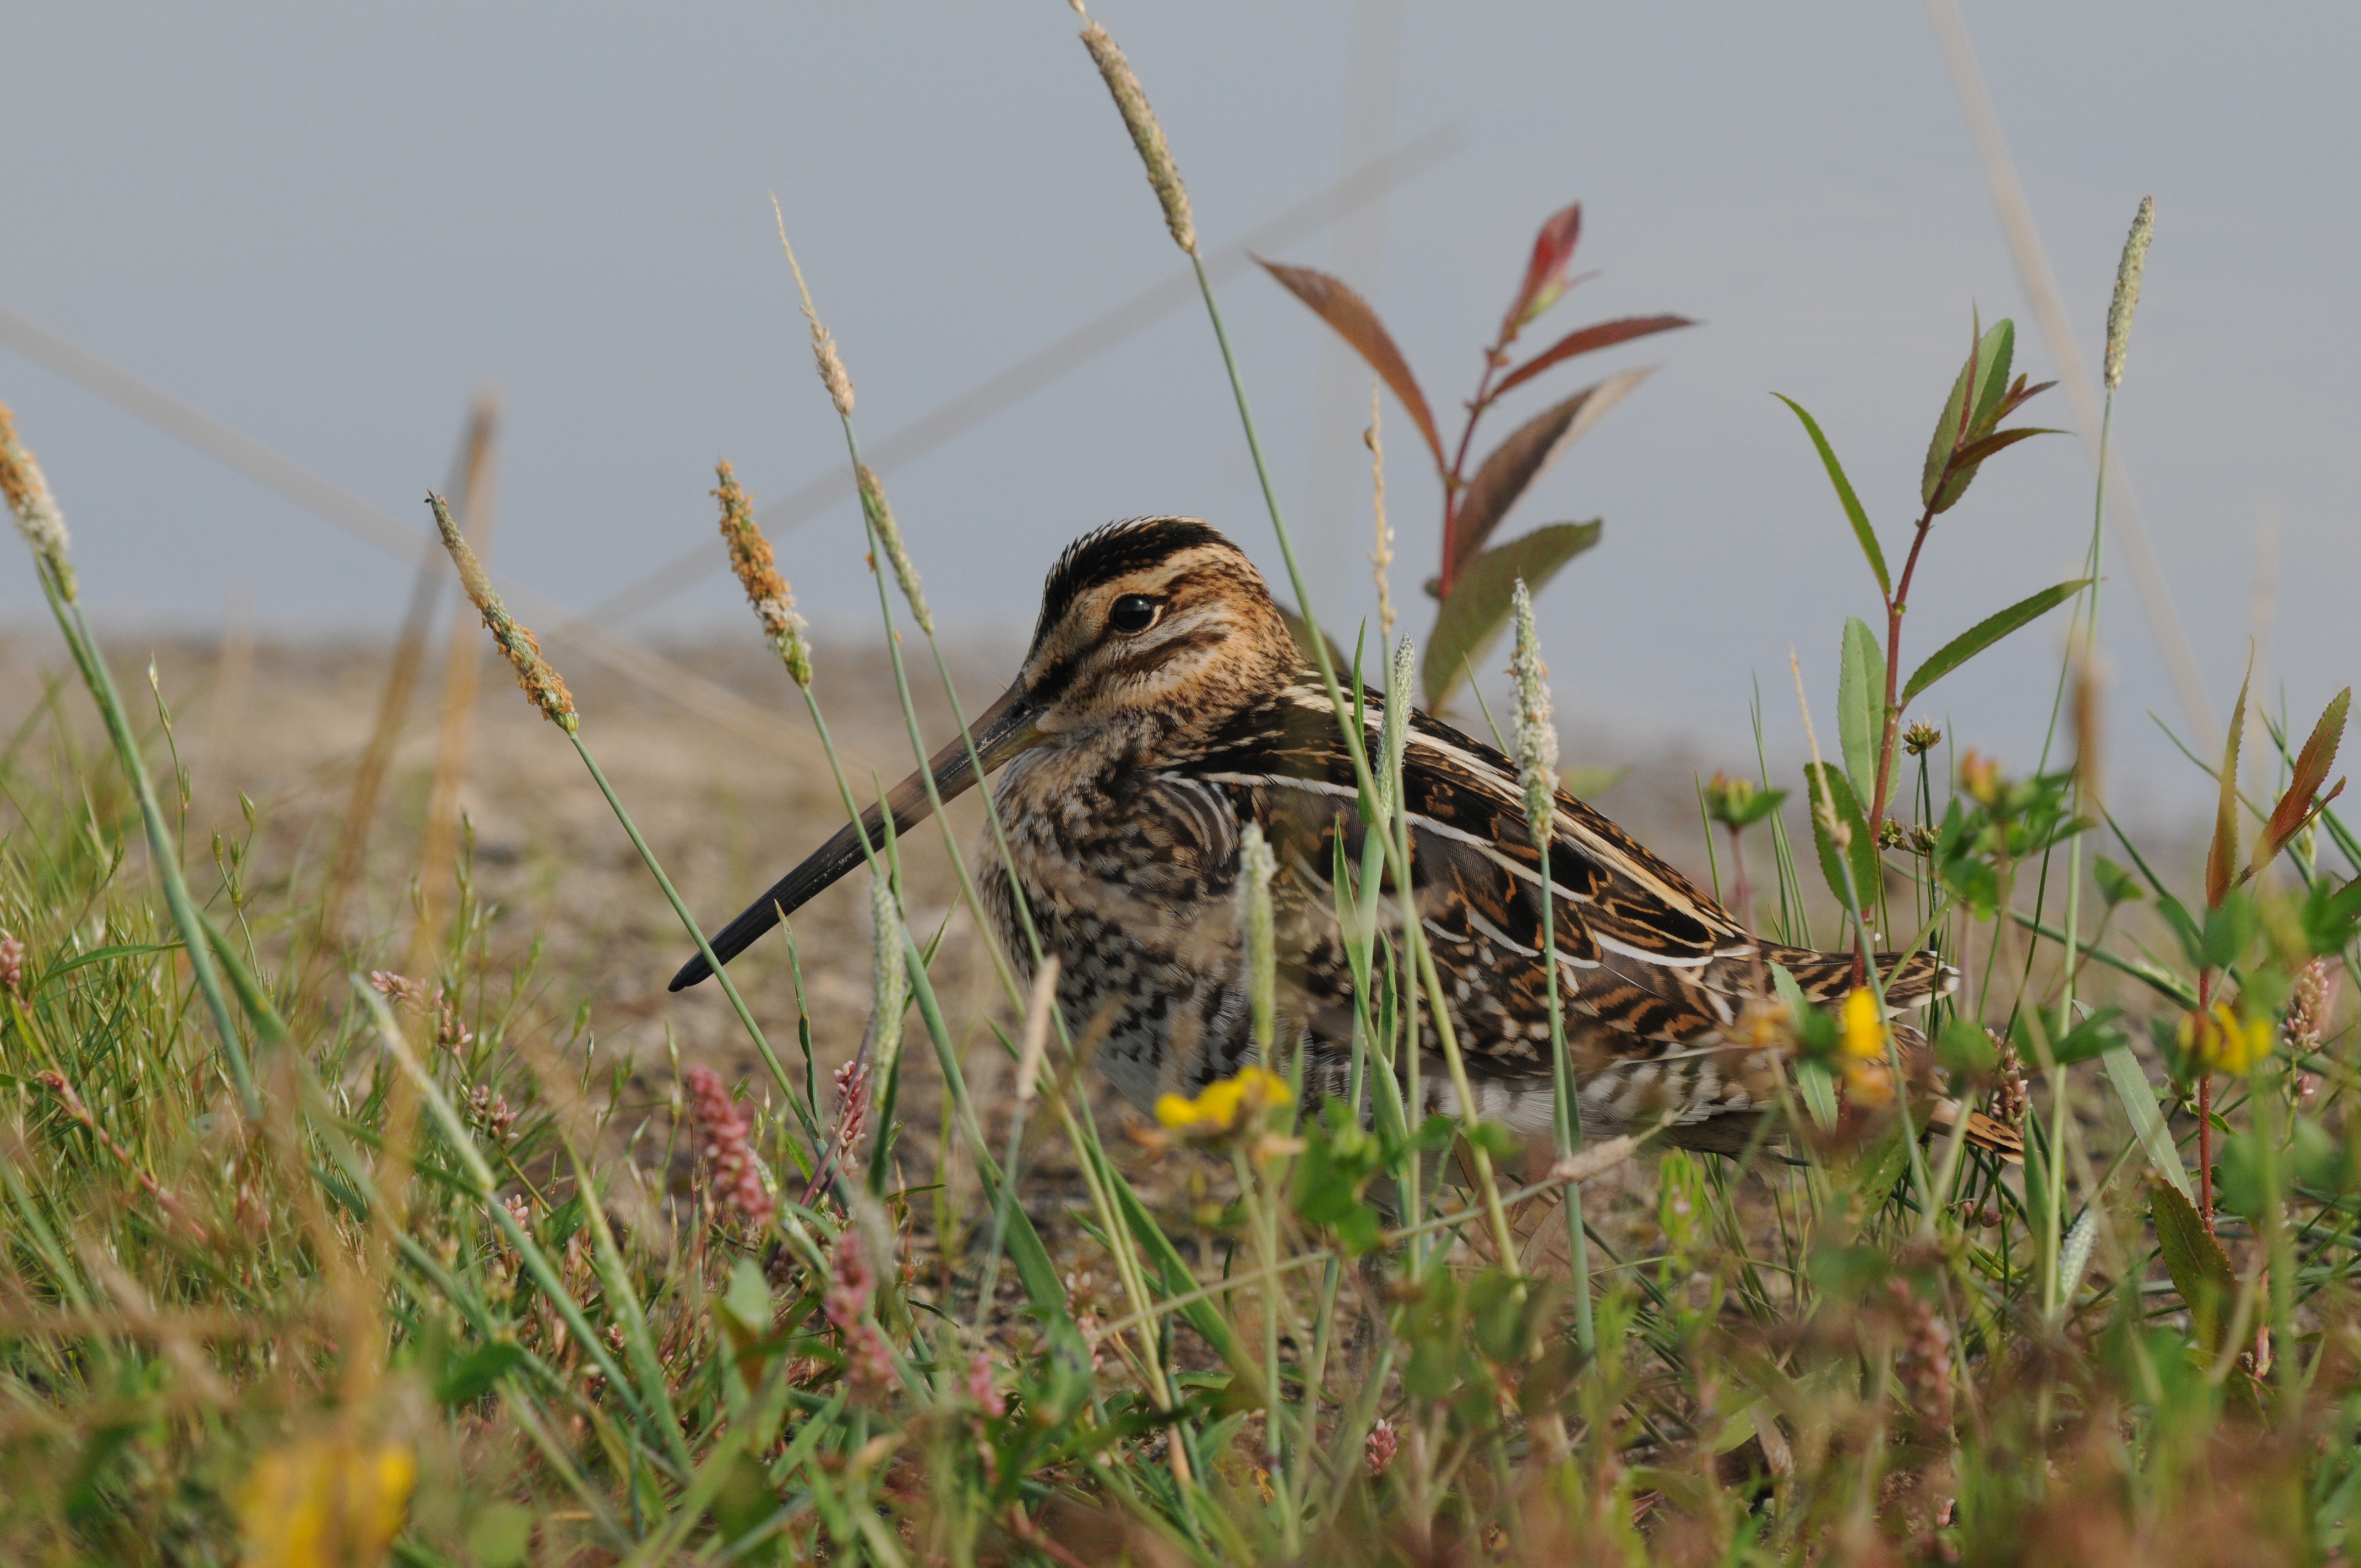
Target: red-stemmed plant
<point>1477,577</point>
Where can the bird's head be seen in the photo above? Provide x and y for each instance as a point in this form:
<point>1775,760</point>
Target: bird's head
<point>1150,630</point>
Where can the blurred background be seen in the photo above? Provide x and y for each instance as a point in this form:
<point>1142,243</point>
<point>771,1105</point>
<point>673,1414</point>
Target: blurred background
<point>328,228</point>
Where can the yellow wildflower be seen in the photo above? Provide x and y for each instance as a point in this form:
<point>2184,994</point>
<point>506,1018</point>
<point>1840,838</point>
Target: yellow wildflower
<point>2225,1043</point>
<point>1764,1025</point>
<point>1868,1083</point>
<point>1864,1030</point>
<point>1224,1105</point>
<point>312,1504</point>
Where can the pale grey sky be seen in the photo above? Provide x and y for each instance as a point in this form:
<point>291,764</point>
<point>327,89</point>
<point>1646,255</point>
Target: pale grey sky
<point>327,225</point>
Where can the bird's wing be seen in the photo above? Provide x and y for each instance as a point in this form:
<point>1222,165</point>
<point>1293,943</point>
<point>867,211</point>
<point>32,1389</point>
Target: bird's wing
<point>1649,965</point>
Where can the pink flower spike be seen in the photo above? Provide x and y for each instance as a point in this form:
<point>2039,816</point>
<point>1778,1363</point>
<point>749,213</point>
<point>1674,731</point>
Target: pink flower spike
<point>722,1129</point>
<point>980,1387</point>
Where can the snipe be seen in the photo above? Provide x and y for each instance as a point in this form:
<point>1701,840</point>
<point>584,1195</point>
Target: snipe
<point>1162,706</point>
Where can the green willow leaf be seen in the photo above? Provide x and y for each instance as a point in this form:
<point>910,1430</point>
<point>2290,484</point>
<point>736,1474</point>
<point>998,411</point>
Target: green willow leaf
<point>1860,854</point>
<point>2222,856</point>
<point>1995,356</point>
<point>2200,1270</point>
<point>1984,378</point>
<point>1970,461</point>
<point>1478,605</point>
<point>1862,531</point>
<point>2132,1087</point>
<point>1986,632</point>
<point>1861,705</point>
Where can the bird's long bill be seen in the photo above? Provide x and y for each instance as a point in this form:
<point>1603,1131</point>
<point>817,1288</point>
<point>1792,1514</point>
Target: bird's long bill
<point>1003,729</point>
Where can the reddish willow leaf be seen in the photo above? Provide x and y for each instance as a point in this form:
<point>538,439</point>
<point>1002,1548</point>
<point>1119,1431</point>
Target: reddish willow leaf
<point>1517,461</point>
<point>2312,765</point>
<point>1477,607</point>
<point>2222,856</point>
<point>1332,301</point>
<point>1545,273</point>
<point>1587,340</point>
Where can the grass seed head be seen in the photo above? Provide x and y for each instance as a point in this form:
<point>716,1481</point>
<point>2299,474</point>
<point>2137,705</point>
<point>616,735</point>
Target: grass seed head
<point>832,373</point>
<point>543,685</point>
<point>2128,287</point>
<point>1131,102</point>
<point>752,558</point>
<point>1394,734</point>
<point>890,984</point>
<point>889,534</point>
<point>38,518</point>
<point>1256,865</point>
<point>1536,729</point>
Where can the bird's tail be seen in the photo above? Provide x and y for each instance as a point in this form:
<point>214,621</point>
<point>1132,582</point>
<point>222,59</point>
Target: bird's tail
<point>1827,977</point>
<point>1983,1132</point>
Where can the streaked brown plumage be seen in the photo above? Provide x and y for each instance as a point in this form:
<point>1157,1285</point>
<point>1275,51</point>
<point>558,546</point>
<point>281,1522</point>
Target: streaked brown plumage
<point>1162,706</point>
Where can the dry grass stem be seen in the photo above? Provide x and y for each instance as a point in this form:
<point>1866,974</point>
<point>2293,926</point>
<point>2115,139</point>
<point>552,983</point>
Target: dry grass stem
<point>2089,703</point>
<point>1039,1009</point>
<point>1381,557</point>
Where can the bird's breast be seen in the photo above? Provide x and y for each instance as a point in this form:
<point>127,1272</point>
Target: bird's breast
<point>1128,878</point>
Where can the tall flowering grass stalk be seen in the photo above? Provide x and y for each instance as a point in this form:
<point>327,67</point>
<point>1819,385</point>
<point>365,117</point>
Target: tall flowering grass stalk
<point>26,491</point>
<point>1256,865</point>
<point>39,518</point>
<point>1147,133</point>
<point>693,1384</point>
<point>1122,1217</point>
<point>1147,136</point>
<point>755,565</point>
<point>1381,553</point>
<point>545,689</point>
<point>1536,740</point>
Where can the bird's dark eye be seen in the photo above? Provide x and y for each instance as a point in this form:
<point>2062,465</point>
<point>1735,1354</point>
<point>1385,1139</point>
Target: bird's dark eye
<point>1133,613</point>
